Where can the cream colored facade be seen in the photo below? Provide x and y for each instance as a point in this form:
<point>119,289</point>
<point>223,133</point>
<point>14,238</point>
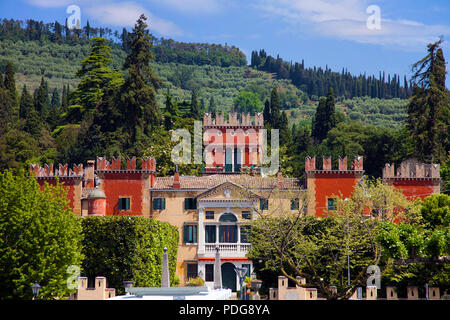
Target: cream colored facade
<point>223,210</point>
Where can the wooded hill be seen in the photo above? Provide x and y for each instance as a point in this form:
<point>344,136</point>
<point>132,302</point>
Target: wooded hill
<point>217,72</point>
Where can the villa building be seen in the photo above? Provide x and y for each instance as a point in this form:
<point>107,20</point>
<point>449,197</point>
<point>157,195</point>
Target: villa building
<point>215,209</point>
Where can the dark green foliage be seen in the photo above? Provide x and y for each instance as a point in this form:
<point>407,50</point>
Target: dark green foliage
<point>317,82</point>
<point>274,109</point>
<point>26,103</point>
<point>97,77</point>
<point>195,108</point>
<point>429,107</point>
<point>137,97</point>
<point>41,99</point>
<point>39,238</point>
<point>325,117</point>
<point>247,102</point>
<point>128,248</point>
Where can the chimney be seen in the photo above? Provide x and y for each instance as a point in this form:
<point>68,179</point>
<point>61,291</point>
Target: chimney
<point>280,177</point>
<point>90,174</point>
<point>176,178</point>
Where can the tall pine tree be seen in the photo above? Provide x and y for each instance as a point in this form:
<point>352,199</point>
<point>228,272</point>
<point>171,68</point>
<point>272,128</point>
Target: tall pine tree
<point>138,94</point>
<point>428,109</point>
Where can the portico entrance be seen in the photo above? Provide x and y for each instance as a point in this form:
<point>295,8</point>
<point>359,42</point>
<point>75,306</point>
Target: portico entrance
<point>228,276</point>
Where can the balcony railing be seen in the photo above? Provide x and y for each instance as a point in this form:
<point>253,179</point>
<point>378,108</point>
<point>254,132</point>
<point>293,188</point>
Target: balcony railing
<point>228,248</point>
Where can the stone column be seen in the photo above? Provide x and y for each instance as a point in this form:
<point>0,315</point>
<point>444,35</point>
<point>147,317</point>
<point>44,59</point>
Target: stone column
<point>165,281</point>
<point>217,271</point>
<point>201,232</point>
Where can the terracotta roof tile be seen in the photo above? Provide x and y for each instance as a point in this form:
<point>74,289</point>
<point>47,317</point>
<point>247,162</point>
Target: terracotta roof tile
<point>207,182</point>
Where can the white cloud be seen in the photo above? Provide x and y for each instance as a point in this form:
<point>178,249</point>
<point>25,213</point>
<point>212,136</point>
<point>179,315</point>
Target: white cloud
<point>115,13</point>
<point>126,13</point>
<point>346,20</point>
<point>192,6</point>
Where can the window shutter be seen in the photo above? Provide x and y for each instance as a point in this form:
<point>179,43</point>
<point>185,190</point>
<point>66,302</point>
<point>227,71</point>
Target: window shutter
<point>186,203</point>
<point>127,200</point>
<point>120,204</point>
<point>163,203</point>
<point>155,204</point>
<point>185,234</point>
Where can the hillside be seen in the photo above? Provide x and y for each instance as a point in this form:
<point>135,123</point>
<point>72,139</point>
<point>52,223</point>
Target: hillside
<point>59,63</point>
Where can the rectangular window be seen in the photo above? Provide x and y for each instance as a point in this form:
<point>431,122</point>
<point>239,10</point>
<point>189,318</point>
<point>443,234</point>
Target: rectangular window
<point>124,204</point>
<point>246,215</point>
<point>244,233</point>
<point>190,203</point>
<point>192,270</point>
<point>331,204</point>
<point>209,215</point>
<point>159,203</point>
<point>210,234</point>
<point>228,234</point>
<point>190,233</point>
<point>294,204</point>
<point>263,204</point>
<point>209,272</point>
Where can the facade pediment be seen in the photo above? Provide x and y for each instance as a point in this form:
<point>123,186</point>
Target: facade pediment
<point>229,192</point>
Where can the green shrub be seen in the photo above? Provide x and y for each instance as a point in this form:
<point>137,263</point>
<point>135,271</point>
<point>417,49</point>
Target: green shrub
<point>128,248</point>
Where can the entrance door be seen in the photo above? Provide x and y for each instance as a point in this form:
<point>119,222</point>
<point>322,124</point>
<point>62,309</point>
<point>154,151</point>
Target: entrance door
<point>228,276</point>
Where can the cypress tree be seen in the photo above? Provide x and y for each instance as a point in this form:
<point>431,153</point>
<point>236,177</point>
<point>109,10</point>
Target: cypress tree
<point>266,112</point>
<point>194,110</point>
<point>212,106</point>
<point>275,109</point>
<point>138,94</point>
<point>26,103</point>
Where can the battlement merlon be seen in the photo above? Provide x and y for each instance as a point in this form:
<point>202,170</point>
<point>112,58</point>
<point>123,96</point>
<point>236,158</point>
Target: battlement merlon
<point>410,170</point>
<point>357,165</point>
<point>233,120</point>
<point>63,171</point>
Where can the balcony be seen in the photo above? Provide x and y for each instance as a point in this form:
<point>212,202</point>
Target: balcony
<point>230,250</point>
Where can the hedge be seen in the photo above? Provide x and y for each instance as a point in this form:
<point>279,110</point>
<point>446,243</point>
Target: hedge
<point>128,248</point>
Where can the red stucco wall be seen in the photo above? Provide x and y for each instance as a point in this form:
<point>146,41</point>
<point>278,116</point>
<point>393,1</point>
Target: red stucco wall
<point>123,185</point>
<point>414,188</point>
<point>329,184</point>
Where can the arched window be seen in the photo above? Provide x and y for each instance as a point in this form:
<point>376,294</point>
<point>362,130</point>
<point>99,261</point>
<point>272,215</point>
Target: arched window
<point>228,217</point>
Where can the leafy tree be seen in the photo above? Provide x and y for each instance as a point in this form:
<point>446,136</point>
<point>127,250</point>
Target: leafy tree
<point>247,102</point>
<point>40,238</point>
<point>416,252</point>
<point>96,77</point>
<point>323,250</point>
<point>124,248</point>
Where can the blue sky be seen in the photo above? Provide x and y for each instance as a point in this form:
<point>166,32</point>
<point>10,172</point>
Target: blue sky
<point>322,32</point>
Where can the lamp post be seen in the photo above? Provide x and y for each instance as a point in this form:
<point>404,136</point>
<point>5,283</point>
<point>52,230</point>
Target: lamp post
<point>241,273</point>
<point>35,289</point>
